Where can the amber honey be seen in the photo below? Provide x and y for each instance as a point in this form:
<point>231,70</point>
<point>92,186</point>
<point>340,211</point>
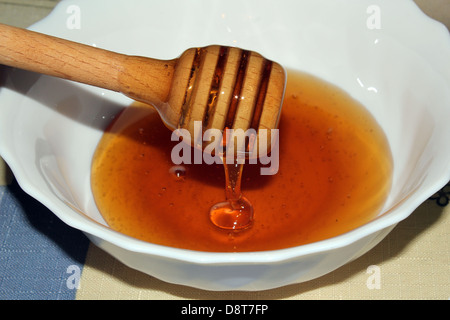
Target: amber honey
<point>334,175</point>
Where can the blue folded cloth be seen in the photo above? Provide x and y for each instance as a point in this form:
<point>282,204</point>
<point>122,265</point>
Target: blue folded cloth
<point>41,258</point>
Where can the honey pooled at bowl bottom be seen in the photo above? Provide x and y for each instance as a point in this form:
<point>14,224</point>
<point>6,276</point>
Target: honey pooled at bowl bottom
<point>334,175</point>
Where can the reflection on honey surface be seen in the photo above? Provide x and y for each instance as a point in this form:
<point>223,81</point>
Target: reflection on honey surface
<point>334,175</point>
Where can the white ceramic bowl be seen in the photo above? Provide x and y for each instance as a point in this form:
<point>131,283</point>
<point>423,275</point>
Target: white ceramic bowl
<point>387,54</point>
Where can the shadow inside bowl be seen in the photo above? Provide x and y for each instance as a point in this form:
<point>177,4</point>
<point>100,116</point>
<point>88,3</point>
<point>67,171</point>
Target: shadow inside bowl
<point>70,99</point>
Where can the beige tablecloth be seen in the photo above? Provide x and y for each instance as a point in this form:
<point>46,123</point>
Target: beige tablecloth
<point>412,262</point>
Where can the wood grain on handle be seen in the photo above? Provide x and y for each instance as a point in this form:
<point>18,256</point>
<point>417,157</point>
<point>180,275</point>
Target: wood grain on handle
<point>140,78</point>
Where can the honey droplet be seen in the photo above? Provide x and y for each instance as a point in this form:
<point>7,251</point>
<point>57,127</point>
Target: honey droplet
<point>178,172</point>
<point>232,215</point>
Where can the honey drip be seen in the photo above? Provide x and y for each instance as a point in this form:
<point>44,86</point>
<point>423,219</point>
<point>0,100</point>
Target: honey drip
<point>236,213</point>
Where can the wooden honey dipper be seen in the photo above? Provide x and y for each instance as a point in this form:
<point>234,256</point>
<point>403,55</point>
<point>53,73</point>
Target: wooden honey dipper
<point>223,87</point>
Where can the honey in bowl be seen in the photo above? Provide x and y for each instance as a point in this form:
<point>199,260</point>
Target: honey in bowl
<point>333,175</point>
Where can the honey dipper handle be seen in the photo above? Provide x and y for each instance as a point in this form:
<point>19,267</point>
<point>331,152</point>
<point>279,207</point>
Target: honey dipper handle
<point>143,79</point>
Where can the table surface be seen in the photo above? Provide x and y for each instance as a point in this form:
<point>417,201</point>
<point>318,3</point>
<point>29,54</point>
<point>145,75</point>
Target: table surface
<point>42,258</point>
